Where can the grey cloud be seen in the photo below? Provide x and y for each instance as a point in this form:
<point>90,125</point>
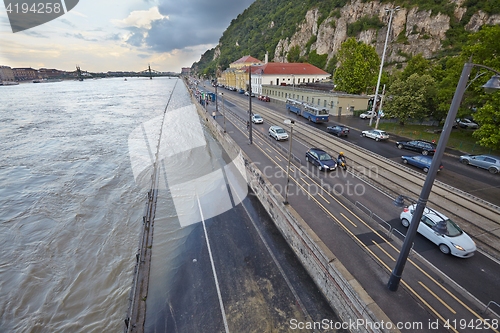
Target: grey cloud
<point>189,23</point>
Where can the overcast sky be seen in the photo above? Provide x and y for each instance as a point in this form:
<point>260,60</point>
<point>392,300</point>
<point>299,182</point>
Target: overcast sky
<point>120,35</point>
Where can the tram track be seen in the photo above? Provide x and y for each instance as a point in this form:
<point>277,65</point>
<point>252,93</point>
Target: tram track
<point>479,217</point>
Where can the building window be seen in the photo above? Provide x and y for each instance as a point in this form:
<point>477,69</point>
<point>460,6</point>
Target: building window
<point>312,100</point>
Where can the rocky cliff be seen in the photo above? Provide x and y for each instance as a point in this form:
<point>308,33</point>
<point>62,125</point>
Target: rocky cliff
<point>413,31</point>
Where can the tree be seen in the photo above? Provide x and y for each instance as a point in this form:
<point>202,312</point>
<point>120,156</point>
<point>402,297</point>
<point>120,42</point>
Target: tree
<point>488,134</point>
<point>411,98</point>
<point>358,67</point>
<point>417,64</point>
<point>294,54</point>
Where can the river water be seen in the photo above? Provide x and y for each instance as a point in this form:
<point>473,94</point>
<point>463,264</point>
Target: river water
<point>71,209</point>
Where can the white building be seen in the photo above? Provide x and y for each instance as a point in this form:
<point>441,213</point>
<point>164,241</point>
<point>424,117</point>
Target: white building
<point>285,74</point>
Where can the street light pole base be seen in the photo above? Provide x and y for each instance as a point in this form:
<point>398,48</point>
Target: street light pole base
<point>393,282</point>
<point>285,203</point>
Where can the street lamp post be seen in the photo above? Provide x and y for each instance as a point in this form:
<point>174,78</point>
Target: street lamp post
<point>223,111</point>
<point>492,84</point>
<point>382,61</point>
<point>250,103</point>
<point>291,123</point>
<point>380,107</point>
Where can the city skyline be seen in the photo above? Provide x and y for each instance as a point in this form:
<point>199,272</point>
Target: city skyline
<point>124,35</point>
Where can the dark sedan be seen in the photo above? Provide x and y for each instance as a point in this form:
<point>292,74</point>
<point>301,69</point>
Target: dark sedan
<point>422,162</point>
<point>338,130</point>
<point>421,146</point>
<point>321,159</point>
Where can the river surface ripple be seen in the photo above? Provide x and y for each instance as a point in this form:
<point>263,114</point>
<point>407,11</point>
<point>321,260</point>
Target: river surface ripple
<point>71,212</point>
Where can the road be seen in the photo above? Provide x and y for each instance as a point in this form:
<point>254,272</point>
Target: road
<point>485,271</point>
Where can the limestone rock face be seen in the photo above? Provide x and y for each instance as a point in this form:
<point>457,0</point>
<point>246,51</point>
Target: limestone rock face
<point>413,31</point>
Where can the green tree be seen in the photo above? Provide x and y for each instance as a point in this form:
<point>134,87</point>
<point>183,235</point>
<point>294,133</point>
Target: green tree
<point>411,98</point>
<point>417,64</point>
<point>358,67</point>
<point>488,134</point>
<point>294,54</point>
<point>318,60</point>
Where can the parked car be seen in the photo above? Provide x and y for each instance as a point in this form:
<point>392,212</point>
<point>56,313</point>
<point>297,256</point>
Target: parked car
<point>488,162</point>
<point>422,162</point>
<point>241,91</point>
<point>377,135</point>
<point>370,114</point>
<point>257,119</point>
<point>264,98</point>
<point>278,133</point>
<point>467,123</point>
<point>442,231</point>
<point>338,130</point>
<point>421,146</point>
<point>247,93</point>
<point>321,159</point>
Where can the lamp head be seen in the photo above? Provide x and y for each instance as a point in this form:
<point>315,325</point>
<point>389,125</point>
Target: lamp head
<point>441,227</point>
<point>492,85</point>
<point>399,201</point>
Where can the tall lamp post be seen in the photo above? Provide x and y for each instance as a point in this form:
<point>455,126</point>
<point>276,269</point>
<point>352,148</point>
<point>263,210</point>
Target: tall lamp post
<point>492,85</point>
<point>382,61</point>
<point>291,123</point>
<point>223,111</point>
<point>250,103</point>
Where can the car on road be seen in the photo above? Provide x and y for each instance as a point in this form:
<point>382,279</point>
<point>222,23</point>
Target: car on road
<point>247,93</point>
<point>442,231</point>
<point>421,146</point>
<point>375,134</point>
<point>241,91</point>
<point>338,130</point>
<point>321,159</point>
<point>257,119</point>
<point>278,133</point>
<point>467,123</point>
<point>264,98</point>
<point>370,114</point>
<point>488,162</point>
<point>420,161</point>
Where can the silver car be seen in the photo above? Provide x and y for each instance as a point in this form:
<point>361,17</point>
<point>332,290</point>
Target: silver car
<point>377,135</point>
<point>278,133</point>
<point>488,162</point>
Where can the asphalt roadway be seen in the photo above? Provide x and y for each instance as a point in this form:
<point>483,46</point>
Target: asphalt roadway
<point>428,300</point>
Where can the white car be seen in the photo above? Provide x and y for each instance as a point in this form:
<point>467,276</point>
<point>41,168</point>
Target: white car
<point>278,133</point>
<point>442,231</point>
<point>370,114</point>
<point>466,123</point>
<point>257,119</point>
<point>377,135</point>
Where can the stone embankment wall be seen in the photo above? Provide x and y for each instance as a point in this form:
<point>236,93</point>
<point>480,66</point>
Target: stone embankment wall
<point>342,291</point>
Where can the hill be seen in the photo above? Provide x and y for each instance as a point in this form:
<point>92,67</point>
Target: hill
<point>313,30</point>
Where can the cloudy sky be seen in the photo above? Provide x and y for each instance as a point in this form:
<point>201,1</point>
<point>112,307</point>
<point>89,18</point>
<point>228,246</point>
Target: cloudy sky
<point>121,35</point>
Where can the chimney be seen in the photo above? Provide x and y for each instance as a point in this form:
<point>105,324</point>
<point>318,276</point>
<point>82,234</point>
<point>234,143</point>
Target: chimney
<point>265,59</point>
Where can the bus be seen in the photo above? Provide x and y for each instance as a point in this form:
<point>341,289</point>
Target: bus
<point>310,112</point>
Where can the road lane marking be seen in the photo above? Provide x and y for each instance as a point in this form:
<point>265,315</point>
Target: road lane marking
<point>437,297</point>
<point>382,249</point>
<point>213,269</point>
<point>354,225</point>
<point>323,198</point>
